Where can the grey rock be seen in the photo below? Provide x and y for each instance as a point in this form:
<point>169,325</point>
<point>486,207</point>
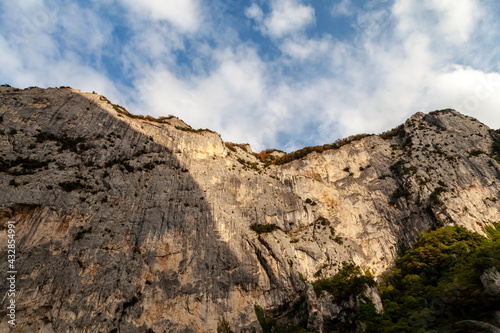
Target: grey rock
<point>132,224</point>
<point>491,280</point>
<point>374,296</point>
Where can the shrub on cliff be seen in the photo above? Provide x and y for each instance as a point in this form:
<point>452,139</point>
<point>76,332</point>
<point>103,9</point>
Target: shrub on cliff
<point>348,281</point>
<point>496,145</point>
<point>264,228</point>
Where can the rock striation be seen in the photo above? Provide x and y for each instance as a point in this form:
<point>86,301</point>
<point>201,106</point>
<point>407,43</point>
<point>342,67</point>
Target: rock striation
<point>128,224</point>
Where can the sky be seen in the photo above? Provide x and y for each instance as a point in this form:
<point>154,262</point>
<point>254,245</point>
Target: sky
<point>276,74</point>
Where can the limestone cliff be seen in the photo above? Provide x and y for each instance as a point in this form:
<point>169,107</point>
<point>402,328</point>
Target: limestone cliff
<point>128,224</point>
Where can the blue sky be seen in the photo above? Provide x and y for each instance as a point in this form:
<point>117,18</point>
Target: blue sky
<point>277,74</point>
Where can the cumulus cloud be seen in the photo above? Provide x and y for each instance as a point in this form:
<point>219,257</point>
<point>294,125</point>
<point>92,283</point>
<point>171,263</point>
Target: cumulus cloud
<point>183,14</point>
<point>453,20</point>
<point>32,55</point>
<point>286,17</point>
<point>469,91</point>
<point>254,12</point>
<point>226,99</point>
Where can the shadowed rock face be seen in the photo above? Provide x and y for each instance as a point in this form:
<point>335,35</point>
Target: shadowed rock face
<point>130,225</point>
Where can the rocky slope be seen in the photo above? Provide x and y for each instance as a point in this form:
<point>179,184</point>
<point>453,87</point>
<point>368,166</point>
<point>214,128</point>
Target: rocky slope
<point>128,224</point>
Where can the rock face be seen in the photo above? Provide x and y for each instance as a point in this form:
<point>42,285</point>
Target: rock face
<point>491,280</point>
<point>126,224</point>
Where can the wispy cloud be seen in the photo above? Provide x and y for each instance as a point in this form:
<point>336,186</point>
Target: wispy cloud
<point>307,49</point>
<point>344,7</point>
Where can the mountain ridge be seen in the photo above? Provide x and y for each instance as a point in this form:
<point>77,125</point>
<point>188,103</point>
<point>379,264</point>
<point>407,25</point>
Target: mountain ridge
<point>166,212</point>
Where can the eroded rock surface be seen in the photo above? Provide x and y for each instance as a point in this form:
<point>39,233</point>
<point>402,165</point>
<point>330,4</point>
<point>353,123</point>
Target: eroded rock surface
<point>127,224</point>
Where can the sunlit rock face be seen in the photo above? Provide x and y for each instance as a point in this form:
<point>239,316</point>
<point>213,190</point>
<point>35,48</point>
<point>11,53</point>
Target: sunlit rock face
<point>128,224</point>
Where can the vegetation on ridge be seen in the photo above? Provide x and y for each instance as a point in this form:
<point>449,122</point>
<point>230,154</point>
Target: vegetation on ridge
<point>163,120</point>
<point>268,158</point>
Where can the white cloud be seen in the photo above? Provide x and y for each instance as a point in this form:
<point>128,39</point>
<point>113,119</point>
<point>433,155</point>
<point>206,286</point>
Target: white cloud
<point>307,49</point>
<point>183,14</point>
<point>458,17</point>
<point>469,91</point>
<point>254,12</point>
<point>453,20</point>
<point>33,56</point>
<point>226,99</point>
<point>286,17</point>
<point>37,70</point>
<point>343,8</point>
<point>84,29</point>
